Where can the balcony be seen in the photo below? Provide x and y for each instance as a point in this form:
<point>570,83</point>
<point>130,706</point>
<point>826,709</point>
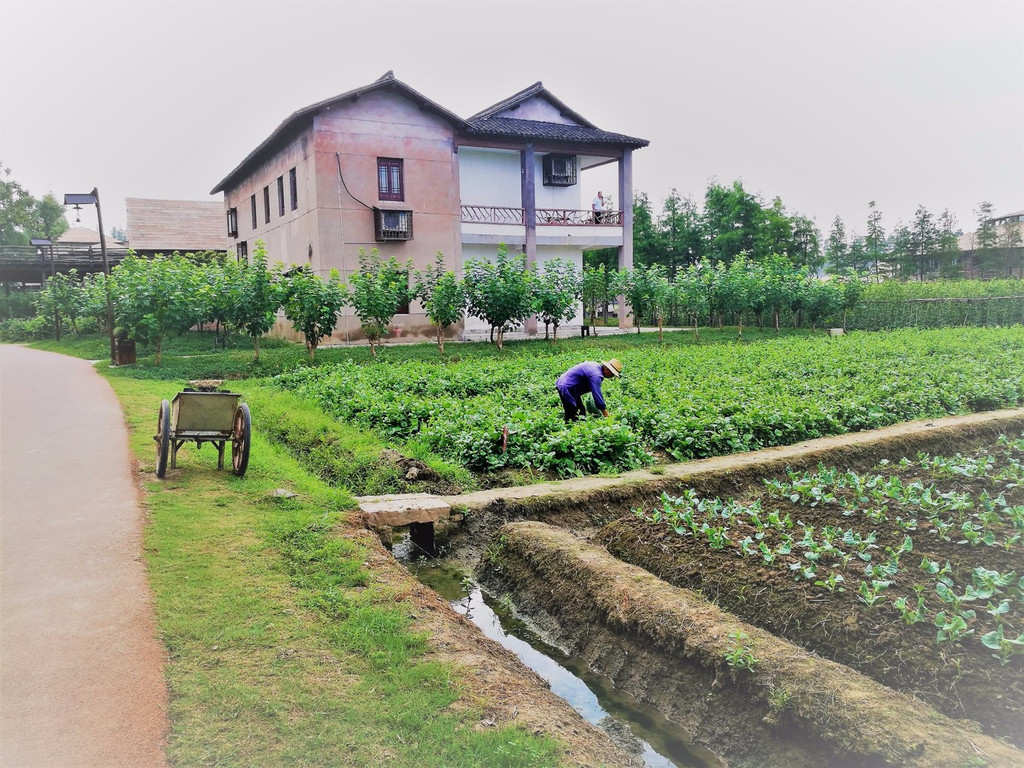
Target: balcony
<point>487,214</point>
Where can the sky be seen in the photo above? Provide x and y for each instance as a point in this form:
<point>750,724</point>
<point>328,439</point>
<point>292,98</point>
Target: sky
<point>826,104</point>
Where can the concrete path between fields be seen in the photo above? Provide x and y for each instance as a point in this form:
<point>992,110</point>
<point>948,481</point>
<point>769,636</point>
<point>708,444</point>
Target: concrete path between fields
<point>81,669</point>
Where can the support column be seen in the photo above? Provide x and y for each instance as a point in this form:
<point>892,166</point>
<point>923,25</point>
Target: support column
<point>626,249</point>
<point>529,165</point>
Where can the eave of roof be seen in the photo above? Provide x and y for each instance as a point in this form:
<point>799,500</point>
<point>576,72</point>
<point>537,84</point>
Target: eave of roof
<point>537,89</point>
<point>536,129</point>
<point>303,117</point>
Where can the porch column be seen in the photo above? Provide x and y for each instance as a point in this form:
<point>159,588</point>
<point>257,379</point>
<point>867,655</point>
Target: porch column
<point>626,249</point>
<point>527,157</point>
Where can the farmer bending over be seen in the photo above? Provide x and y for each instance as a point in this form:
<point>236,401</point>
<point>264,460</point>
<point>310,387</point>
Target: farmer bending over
<point>581,379</point>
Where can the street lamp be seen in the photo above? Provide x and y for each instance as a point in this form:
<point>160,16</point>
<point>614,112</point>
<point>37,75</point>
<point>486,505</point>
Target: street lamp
<point>93,198</point>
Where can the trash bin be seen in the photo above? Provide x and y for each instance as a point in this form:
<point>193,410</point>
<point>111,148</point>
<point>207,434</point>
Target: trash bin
<point>124,350</point>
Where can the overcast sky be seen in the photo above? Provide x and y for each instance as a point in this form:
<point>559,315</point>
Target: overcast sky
<point>827,104</point>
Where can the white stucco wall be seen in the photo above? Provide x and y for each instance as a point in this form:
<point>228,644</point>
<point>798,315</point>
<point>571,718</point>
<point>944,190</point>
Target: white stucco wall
<point>490,177</point>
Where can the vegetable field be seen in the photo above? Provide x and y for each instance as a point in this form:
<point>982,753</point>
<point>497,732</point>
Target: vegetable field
<point>681,400</point>
<point>911,573</point>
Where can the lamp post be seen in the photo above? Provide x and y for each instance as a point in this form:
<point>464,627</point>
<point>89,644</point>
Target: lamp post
<point>93,198</point>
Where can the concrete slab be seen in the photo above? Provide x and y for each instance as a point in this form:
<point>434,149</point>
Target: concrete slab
<point>404,509</point>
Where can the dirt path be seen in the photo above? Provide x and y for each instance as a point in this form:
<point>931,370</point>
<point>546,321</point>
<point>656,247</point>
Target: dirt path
<point>81,671</point>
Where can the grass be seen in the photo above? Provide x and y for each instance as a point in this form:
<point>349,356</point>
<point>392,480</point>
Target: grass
<point>283,648</point>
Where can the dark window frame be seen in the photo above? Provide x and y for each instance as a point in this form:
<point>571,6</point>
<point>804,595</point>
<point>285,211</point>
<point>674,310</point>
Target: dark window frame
<point>280,195</point>
<point>391,179</point>
<point>232,222</point>
<point>266,204</point>
<point>255,220</point>
<point>293,185</point>
<point>559,170</point>
<point>242,251</point>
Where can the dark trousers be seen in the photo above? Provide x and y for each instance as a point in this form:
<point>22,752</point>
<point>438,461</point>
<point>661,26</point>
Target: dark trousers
<point>572,406</point>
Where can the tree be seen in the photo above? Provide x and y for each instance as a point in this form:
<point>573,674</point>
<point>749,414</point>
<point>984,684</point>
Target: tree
<point>986,240</point>
<point>62,299</point>
<point>312,304</point>
<point>731,215</point>
<point>690,294</point>
<point>379,289</point>
<point>499,292</point>
<point>595,288</point>
<point>874,240</point>
<point>443,297</point>
<point>557,288</point>
<point>47,218</point>
<point>16,210</point>
<point>837,251</point>
<point>947,246</point>
<point>155,297</point>
<point>823,299</point>
<point>257,295</point>
<point>851,285</point>
<point>646,237</point>
<point>681,233</point>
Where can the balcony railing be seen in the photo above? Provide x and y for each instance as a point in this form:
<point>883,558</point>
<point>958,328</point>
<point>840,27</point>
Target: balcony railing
<point>486,214</point>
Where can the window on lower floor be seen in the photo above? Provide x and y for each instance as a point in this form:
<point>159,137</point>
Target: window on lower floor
<point>389,179</point>
<point>242,251</point>
<point>392,225</point>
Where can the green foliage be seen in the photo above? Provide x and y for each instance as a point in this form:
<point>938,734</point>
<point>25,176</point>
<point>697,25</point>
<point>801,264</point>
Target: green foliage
<point>312,304</point>
<point>155,297</point>
<point>499,292</point>
<point>557,291</point>
<point>442,295</point>
<point>740,654</point>
<point>62,299</point>
<point>251,296</point>
<point>379,289</point>
<point>23,217</point>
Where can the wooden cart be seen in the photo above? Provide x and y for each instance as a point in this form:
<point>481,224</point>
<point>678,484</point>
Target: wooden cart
<point>204,417</point>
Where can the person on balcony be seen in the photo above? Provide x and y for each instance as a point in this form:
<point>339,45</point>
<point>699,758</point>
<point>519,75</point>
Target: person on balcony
<point>585,378</point>
<point>598,206</point>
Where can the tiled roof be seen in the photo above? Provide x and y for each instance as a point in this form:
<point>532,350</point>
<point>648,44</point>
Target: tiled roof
<point>536,129</point>
<point>175,225</point>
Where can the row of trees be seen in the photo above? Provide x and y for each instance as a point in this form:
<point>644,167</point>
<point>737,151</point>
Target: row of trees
<point>711,291</point>
<point>731,221</point>
<point>927,248</point>
<point>170,294</point>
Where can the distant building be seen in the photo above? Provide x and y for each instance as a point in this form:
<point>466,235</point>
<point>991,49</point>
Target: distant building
<point>1005,259</point>
<point>382,166</point>
<point>166,226</point>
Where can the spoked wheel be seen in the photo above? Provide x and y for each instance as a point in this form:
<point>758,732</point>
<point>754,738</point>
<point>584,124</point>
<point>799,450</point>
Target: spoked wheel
<point>240,436</point>
<point>163,438</point>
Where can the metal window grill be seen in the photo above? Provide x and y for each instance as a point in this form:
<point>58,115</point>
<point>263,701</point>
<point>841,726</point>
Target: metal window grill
<point>392,225</point>
<point>559,170</point>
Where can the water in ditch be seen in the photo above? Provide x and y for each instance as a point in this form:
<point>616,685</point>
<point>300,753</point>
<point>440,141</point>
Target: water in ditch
<point>638,728</point>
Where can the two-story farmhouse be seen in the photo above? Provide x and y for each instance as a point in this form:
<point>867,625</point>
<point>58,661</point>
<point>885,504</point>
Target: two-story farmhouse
<point>384,167</point>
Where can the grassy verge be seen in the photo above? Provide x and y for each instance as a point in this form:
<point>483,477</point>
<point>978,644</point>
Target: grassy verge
<point>283,648</point>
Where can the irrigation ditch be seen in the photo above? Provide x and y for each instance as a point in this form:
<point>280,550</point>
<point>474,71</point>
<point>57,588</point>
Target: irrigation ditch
<point>744,664</point>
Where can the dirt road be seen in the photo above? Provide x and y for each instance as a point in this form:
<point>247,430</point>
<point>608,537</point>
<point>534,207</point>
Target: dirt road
<point>81,678</point>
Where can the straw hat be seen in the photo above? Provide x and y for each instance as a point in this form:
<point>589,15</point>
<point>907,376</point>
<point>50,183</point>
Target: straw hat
<point>614,366</point>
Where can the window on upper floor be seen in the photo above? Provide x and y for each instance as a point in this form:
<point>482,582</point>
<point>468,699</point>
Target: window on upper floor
<point>280,195</point>
<point>293,184</point>
<point>559,170</point>
<point>390,184</point>
<point>252,204</point>
<point>232,222</point>
<point>266,205</point>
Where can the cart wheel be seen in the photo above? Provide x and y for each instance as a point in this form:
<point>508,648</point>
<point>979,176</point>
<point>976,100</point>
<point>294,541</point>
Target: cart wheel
<point>240,435</point>
<point>163,438</point>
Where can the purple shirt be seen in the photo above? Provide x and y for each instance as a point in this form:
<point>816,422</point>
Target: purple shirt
<point>580,379</point>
